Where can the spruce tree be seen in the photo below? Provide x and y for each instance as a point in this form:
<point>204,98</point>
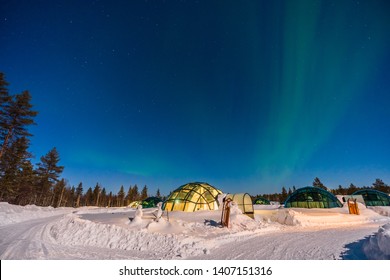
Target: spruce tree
<point>103,200</point>
<point>11,167</point>
<point>96,194</point>
<point>5,99</point>
<point>352,188</point>
<point>381,186</point>
<point>129,195</point>
<point>317,183</point>
<point>15,119</point>
<point>48,173</point>
<point>25,185</point>
<point>283,196</point>
<point>136,195</point>
<point>109,199</point>
<point>70,201</point>
<point>144,193</point>
<point>121,197</point>
<point>15,115</point>
<point>89,197</point>
<point>158,194</point>
<point>59,190</point>
<point>341,190</point>
<point>79,193</point>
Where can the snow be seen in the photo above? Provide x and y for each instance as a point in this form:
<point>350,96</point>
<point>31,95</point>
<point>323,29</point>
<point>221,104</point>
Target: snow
<point>32,232</point>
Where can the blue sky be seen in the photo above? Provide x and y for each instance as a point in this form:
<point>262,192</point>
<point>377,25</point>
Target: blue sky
<point>248,96</point>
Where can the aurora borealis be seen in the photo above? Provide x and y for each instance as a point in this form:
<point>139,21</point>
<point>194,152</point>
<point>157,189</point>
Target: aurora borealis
<point>245,95</point>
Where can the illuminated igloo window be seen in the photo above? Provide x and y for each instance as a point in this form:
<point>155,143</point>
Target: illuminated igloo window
<point>193,197</point>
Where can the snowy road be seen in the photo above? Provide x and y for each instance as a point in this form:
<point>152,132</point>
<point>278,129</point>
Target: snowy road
<point>32,240</point>
<point>299,244</point>
<point>26,240</point>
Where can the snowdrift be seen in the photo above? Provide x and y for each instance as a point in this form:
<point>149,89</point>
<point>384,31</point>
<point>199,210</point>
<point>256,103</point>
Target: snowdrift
<point>10,214</point>
<point>322,217</point>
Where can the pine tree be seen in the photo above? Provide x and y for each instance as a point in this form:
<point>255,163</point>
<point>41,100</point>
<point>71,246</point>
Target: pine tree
<point>26,185</point>
<point>17,116</point>
<point>158,194</point>
<point>4,95</point>
<point>11,166</point>
<point>317,183</point>
<point>352,188</point>
<point>121,197</point>
<point>79,193</point>
<point>59,192</point>
<point>283,196</point>
<point>71,197</point>
<point>96,194</point>
<point>103,200</point>
<point>129,196</point>
<point>144,193</point>
<point>340,190</point>
<point>89,197</point>
<point>132,194</point>
<point>136,195</point>
<point>110,199</point>
<point>5,100</point>
<point>381,186</point>
<point>48,172</point>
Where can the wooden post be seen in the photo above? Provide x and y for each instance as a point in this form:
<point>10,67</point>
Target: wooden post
<point>226,212</point>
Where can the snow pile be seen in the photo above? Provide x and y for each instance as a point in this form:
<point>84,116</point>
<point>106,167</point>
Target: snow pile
<point>265,207</point>
<point>73,231</point>
<point>11,214</point>
<point>382,210</point>
<point>322,216</point>
<point>378,246</point>
<point>241,222</point>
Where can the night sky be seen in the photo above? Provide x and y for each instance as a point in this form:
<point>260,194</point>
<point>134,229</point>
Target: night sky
<point>248,96</point>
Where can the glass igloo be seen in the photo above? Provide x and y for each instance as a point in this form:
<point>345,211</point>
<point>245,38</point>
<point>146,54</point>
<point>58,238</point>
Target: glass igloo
<point>373,197</point>
<point>193,197</point>
<point>312,197</point>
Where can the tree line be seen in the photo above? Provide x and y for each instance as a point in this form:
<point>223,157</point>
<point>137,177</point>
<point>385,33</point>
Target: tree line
<point>99,197</point>
<point>340,190</point>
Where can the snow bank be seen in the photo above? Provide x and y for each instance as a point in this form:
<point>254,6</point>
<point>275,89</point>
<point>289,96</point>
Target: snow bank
<point>265,207</point>
<point>382,210</point>
<point>74,231</point>
<point>321,217</point>
<point>11,214</point>
<point>378,246</point>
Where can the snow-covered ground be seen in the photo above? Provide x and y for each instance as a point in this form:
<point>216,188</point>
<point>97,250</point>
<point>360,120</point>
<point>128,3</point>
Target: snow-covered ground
<point>33,232</point>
